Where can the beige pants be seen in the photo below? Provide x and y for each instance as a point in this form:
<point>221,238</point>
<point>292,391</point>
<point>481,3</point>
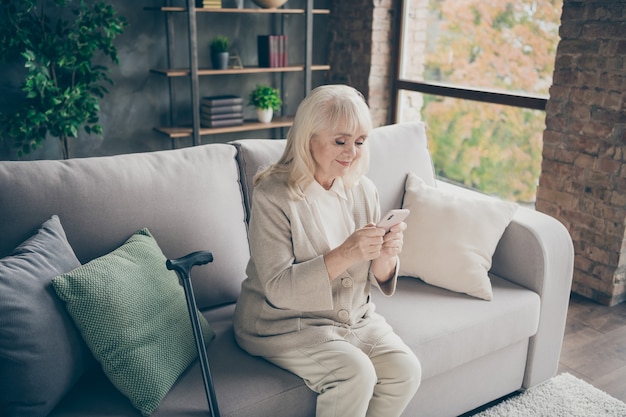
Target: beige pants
<point>355,379</point>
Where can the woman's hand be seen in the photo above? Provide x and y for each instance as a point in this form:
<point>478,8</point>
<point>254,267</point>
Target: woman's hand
<point>384,266</point>
<point>394,240</point>
<point>364,244</point>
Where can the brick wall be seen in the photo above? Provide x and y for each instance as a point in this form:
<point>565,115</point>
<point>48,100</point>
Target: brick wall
<point>583,179</point>
<point>361,39</point>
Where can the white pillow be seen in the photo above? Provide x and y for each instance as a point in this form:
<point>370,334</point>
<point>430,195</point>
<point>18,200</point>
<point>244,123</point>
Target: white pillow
<point>450,238</point>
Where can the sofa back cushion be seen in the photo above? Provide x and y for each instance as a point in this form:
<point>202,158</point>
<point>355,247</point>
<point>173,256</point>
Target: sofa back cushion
<point>396,150</point>
<point>190,199</point>
<point>253,155</point>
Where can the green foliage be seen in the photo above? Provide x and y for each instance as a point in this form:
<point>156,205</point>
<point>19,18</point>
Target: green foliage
<point>57,39</point>
<point>496,149</point>
<point>505,19</point>
<point>219,44</point>
<point>505,46</point>
<point>265,97</point>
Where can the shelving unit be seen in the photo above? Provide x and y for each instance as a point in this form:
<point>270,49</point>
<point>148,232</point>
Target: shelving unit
<point>230,10</point>
<point>195,131</point>
<point>185,72</point>
<point>183,132</point>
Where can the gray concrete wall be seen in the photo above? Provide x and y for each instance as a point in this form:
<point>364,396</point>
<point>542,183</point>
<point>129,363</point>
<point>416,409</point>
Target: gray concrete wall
<point>139,101</point>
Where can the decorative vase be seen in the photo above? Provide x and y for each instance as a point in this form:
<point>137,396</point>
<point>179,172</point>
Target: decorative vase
<point>219,60</point>
<point>264,115</point>
<point>269,4</point>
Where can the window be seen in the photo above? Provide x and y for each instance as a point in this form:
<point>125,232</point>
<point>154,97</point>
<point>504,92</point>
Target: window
<point>478,74</point>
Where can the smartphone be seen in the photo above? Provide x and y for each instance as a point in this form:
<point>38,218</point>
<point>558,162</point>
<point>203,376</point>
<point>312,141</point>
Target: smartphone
<point>392,217</point>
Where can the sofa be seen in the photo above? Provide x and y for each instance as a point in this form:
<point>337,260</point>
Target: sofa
<point>472,351</point>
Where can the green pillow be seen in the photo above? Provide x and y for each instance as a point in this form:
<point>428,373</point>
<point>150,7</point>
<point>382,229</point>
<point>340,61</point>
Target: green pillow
<point>131,311</point>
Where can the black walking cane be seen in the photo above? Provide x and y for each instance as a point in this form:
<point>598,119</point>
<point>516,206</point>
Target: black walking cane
<point>183,266</point>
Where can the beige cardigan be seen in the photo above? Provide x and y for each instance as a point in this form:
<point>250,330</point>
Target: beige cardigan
<point>288,300</point>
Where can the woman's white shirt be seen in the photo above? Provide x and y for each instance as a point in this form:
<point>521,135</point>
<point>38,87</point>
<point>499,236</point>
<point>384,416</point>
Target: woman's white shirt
<point>331,211</point>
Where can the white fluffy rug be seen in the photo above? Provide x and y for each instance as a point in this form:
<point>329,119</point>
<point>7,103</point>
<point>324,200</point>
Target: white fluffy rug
<point>561,396</point>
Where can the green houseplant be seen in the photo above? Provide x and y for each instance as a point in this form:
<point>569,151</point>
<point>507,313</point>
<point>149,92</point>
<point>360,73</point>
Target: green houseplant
<point>58,41</point>
<point>219,52</point>
<point>220,44</point>
<point>266,100</point>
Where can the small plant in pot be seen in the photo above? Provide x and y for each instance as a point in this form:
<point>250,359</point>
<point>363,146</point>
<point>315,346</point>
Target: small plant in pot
<point>219,52</point>
<point>266,100</point>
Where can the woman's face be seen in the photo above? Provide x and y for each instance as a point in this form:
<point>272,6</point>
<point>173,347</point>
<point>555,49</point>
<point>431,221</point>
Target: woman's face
<point>334,152</point>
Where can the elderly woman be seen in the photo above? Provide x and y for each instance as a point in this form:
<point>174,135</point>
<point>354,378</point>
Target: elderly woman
<point>315,253</point>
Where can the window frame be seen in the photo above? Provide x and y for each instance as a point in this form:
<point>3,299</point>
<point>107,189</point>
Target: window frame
<point>522,100</point>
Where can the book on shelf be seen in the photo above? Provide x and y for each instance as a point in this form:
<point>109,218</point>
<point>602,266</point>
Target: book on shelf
<point>283,51</point>
<point>222,116</point>
<point>221,122</point>
<point>272,51</point>
<point>223,100</point>
<point>228,108</point>
<point>209,4</point>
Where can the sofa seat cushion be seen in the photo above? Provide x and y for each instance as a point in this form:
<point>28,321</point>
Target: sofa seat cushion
<point>447,329</point>
<point>454,329</point>
<point>245,386</point>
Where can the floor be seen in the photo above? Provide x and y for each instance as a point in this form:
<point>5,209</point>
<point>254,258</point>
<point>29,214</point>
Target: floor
<point>594,347</point>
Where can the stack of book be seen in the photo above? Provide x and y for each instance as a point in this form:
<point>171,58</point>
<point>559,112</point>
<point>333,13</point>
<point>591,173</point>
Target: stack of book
<point>220,111</point>
<point>272,50</point>
<point>209,4</point>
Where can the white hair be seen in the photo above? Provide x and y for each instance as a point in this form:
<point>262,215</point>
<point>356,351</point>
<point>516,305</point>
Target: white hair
<point>327,108</point>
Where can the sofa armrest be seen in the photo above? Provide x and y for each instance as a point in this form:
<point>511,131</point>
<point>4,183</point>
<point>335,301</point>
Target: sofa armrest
<point>536,252</point>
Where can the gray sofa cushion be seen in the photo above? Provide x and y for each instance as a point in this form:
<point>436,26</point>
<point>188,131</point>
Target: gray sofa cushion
<point>388,166</point>
<point>253,155</point>
<point>455,329</point>
<point>190,199</point>
<point>395,151</point>
<point>246,386</point>
<point>41,353</point>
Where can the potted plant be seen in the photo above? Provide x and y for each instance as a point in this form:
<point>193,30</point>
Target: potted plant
<point>266,100</point>
<point>219,52</point>
<point>62,84</point>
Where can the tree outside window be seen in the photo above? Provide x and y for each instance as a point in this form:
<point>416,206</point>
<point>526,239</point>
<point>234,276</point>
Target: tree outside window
<point>491,46</point>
